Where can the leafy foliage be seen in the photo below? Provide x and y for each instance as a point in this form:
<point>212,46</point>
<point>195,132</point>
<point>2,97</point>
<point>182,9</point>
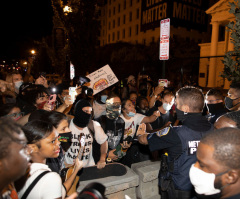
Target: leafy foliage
<point>231,59</point>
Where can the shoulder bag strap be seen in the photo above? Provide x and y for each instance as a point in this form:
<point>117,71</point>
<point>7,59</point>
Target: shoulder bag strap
<point>29,189</point>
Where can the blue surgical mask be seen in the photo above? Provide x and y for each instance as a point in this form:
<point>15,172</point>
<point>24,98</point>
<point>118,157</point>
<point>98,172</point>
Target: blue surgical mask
<point>103,98</point>
<point>131,114</point>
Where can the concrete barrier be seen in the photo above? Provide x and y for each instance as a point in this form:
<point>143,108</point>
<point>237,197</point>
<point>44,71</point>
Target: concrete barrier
<point>147,172</point>
<point>140,182</point>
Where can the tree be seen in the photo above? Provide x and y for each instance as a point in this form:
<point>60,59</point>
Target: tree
<point>82,28</point>
<point>231,59</point>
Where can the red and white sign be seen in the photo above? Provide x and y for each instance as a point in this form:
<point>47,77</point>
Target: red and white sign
<point>164,39</point>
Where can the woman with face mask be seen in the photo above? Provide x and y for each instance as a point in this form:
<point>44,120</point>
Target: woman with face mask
<point>43,143</point>
<point>133,119</point>
<point>60,122</point>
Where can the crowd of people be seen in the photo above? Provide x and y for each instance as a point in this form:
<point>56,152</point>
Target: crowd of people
<point>43,131</point>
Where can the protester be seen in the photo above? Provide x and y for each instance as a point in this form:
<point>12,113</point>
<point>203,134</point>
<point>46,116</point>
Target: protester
<point>180,143</point>
<point>99,104</point>
<point>231,119</point>
<point>14,157</point>
<point>11,111</point>
<point>217,170</point>
<point>232,101</point>
<point>114,127</point>
<point>133,97</point>
<point>14,81</point>
<point>33,98</point>
<point>43,142</point>
<point>79,124</point>
<point>133,119</point>
<point>165,118</point>
<point>131,86</point>
<point>214,103</point>
<point>156,96</point>
<point>60,123</point>
<point>142,105</point>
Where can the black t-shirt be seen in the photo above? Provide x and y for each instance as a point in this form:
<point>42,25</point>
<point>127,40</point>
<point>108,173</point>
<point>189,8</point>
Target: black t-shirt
<point>114,129</point>
<point>162,120</point>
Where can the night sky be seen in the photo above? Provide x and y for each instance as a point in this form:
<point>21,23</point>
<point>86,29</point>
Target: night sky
<point>22,22</point>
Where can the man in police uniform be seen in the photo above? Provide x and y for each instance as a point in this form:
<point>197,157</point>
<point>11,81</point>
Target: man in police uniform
<point>181,142</point>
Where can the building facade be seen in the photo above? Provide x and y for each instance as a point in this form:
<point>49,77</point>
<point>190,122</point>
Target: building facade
<point>212,53</point>
<point>138,21</point>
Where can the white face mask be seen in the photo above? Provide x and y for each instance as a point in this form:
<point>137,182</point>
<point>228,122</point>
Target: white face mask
<point>203,182</point>
<point>18,84</point>
<point>167,106</point>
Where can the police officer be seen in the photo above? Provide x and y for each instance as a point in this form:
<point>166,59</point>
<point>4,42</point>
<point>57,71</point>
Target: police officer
<point>181,143</point>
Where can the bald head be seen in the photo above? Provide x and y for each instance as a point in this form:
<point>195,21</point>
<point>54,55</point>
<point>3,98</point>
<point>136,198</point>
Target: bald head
<point>231,119</point>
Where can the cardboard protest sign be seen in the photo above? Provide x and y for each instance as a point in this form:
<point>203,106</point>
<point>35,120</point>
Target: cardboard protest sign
<point>102,79</point>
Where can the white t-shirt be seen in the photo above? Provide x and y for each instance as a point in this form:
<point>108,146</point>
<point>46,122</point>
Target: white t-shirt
<point>98,109</point>
<point>87,157</point>
<point>48,187</point>
<point>131,124</point>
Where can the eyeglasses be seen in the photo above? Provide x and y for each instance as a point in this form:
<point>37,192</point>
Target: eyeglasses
<point>16,115</point>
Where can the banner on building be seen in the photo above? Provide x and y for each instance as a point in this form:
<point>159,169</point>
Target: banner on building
<point>102,79</point>
<point>164,39</point>
<point>183,13</point>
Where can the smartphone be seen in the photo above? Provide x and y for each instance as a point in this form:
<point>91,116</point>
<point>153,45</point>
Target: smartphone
<point>51,101</point>
<point>43,74</point>
<point>72,93</point>
<point>163,82</point>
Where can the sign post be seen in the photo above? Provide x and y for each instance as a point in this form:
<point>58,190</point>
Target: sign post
<point>164,42</point>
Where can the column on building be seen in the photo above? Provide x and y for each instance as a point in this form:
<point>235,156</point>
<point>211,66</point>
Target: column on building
<point>230,47</point>
<point>213,52</point>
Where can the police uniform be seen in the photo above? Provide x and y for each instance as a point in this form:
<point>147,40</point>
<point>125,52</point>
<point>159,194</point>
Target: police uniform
<point>181,143</point>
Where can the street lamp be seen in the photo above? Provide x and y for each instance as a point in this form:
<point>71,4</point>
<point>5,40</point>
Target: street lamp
<point>67,9</point>
<point>33,52</point>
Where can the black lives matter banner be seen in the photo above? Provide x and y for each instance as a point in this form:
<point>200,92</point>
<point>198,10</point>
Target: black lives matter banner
<point>184,13</point>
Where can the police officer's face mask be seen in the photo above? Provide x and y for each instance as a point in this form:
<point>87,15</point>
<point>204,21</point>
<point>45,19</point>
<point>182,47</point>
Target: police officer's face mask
<point>181,116</point>
<point>204,182</point>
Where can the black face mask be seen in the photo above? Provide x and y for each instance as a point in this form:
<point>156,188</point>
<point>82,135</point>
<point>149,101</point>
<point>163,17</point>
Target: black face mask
<point>81,118</point>
<point>181,116</point>
<point>214,108</point>
<point>229,102</point>
<point>65,139</point>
